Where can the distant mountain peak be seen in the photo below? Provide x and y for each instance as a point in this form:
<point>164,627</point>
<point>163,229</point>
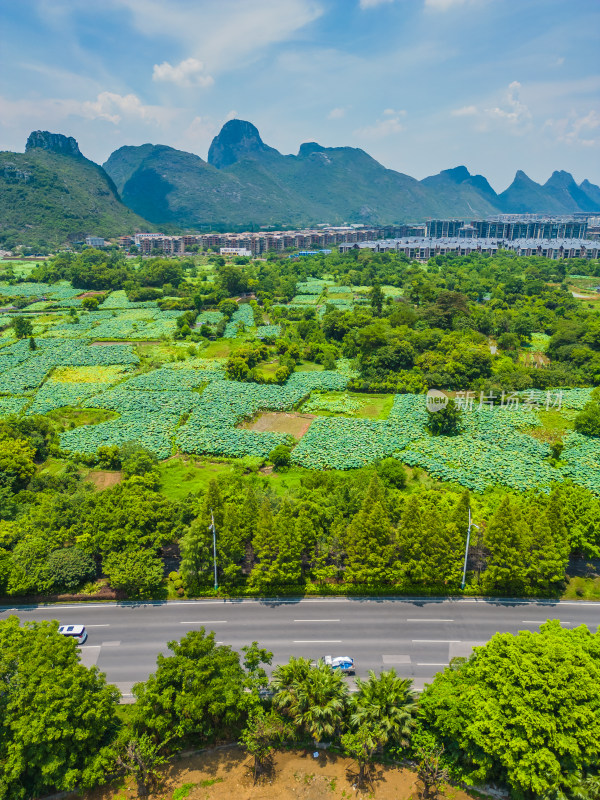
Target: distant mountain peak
<point>53,143</point>
<point>560,178</point>
<point>457,174</point>
<point>306,148</point>
<point>237,139</point>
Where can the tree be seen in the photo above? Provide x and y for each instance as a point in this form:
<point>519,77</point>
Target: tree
<point>386,702</point>
<point>432,773</point>
<point>195,693</point>
<point>280,456</point>
<point>57,717</point>
<point>445,422</point>
<point>376,298</point>
<point>523,710</point>
<point>315,702</point>
<point>16,463</point>
<point>505,538</point>
<point>392,472</point>
<point>69,568</point>
<point>587,421</point>
<point>228,308</point>
<point>138,571</point>
<point>548,553</point>
<point>368,545</point>
<point>361,745</point>
<point>263,732</point>
<point>22,327</point>
<point>140,757</point>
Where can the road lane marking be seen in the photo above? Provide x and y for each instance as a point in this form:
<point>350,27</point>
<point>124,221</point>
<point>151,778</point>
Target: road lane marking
<point>436,641</point>
<point>317,620</point>
<point>396,659</point>
<point>317,641</point>
<point>111,644</point>
<point>432,663</point>
<point>429,620</point>
<point>204,622</point>
<point>542,621</point>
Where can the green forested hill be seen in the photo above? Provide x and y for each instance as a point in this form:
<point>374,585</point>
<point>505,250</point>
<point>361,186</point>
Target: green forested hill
<point>245,183</point>
<point>51,194</point>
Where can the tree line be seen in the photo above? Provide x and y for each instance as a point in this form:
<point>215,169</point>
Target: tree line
<point>481,720</point>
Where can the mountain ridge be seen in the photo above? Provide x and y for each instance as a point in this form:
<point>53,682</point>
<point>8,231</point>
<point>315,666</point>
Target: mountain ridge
<point>246,182</point>
<point>51,194</point>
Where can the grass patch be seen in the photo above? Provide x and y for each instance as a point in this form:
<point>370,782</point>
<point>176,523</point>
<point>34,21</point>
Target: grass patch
<point>221,348</point>
<point>180,476</point>
<point>290,478</point>
<point>370,406</point>
<point>53,466</point>
<point>553,427</point>
<point>580,588</point>
<point>308,366</point>
<point>267,370</point>
<point>76,417</point>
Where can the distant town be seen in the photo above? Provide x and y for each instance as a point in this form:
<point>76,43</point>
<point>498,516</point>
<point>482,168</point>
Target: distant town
<point>576,236</point>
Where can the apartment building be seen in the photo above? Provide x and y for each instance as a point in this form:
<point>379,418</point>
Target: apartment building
<point>422,249</point>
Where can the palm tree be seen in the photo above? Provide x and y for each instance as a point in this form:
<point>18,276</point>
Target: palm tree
<point>286,679</point>
<point>314,698</point>
<point>387,702</point>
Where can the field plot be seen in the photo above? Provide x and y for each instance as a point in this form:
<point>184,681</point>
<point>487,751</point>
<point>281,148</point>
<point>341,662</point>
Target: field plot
<point>295,425</point>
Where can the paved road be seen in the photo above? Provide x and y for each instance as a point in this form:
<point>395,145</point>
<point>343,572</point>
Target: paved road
<point>416,637</point>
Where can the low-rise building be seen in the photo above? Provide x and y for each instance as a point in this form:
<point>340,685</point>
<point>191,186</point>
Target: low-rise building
<point>95,241</point>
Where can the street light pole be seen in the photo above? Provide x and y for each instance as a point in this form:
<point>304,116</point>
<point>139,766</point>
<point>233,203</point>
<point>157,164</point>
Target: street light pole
<point>471,524</point>
<point>214,533</point>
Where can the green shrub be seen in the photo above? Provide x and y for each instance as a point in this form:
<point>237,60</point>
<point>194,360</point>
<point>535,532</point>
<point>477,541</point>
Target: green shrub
<point>69,568</point>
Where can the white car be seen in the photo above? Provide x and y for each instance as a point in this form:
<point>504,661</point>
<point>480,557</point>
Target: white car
<point>77,632</point>
<point>342,664</point>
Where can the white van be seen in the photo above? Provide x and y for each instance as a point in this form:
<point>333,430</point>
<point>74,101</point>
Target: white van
<point>77,632</point>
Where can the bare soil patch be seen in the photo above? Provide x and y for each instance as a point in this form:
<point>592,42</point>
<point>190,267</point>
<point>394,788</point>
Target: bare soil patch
<point>223,774</point>
<point>90,294</point>
<point>291,422</point>
<point>104,479</point>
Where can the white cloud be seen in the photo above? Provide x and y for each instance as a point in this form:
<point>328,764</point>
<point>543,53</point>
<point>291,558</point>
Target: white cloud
<point>223,34</point>
<point>445,5</point>
<point>514,112</point>
<point>113,107</point>
<point>373,3</point>
<point>187,73</point>
<point>510,112</point>
<point>107,106</point>
<point>387,125</point>
<point>465,111</point>
<point>576,129</point>
<point>336,113</point>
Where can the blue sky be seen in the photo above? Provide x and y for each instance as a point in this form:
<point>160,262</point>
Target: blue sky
<point>422,85</point>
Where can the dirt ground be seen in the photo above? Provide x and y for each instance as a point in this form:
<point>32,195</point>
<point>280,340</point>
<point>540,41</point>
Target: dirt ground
<point>281,422</point>
<point>225,775</point>
<point>103,479</point>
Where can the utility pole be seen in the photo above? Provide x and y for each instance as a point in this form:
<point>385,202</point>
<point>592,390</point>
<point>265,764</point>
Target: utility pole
<point>471,524</point>
<point>214,533</point>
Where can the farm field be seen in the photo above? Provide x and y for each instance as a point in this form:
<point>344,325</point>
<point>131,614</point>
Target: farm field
<point>115,374</point>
